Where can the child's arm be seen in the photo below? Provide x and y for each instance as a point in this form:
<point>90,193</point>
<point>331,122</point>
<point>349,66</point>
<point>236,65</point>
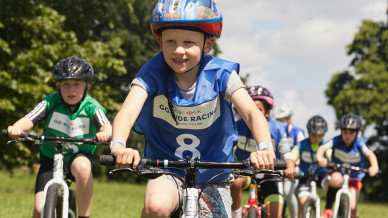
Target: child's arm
<point>21,126</point>
<point>283,147</point>
<point>258,126</point>
<point>374,165</point>
<point>104,133</point>
<point>122,125</point>
<point>295,152</point>
<point>322,161</point>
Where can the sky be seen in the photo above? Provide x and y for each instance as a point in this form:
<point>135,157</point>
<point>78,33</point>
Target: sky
<point>293,48</point>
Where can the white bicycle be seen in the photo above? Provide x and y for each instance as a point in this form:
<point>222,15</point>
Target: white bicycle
<point>311,207</point>
<point>154,168</point>
<point>342,198</point>
<point>59,200</point>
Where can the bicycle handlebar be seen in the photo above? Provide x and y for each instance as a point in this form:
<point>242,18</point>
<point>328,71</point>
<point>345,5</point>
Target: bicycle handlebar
<point>347,167</point>
<point>110,160</point>
<point>29,137</point>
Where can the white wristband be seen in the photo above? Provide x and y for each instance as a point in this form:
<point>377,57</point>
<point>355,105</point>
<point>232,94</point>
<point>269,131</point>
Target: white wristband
<point>264,145</point>
<point>118,140</point>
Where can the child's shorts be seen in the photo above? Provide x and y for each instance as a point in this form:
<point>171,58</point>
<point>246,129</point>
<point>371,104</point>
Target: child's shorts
<point>45,172</point>
<point>215,200</point>
<point>357,184</point>
<point>303,188</point>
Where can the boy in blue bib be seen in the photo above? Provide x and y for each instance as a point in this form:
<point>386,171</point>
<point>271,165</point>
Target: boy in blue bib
<point>182,102</point>
<point>305,151</point>
<point>272,191</point>
<point>347,148</point>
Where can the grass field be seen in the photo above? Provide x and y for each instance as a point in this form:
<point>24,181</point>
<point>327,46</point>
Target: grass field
<point>110,199</point>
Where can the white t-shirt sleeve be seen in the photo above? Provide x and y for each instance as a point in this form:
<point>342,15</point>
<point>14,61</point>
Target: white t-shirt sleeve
<point>234,83</point>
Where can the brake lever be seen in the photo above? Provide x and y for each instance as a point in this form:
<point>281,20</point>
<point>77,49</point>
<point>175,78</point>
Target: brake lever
<point>150,173</point>
<point>14,141</point>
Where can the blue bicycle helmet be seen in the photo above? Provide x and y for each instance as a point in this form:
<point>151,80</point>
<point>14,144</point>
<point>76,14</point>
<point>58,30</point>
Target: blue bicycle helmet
<point>200,14</point>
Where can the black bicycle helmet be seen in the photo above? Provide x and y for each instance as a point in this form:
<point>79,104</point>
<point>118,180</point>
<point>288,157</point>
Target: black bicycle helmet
<point>350,121</point>
<point>317,125</point>
<point>73,68</point>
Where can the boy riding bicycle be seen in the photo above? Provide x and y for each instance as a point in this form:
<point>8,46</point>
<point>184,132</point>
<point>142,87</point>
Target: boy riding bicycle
<point>181,100</point>
<point>272,190</point>
<point>347,148</point>
<point>70,112</point>
<point>306,152</point>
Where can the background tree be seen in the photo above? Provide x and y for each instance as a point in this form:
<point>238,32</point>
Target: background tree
<point>32,40</point>
<point>363,89</point>
<point>114,36</point>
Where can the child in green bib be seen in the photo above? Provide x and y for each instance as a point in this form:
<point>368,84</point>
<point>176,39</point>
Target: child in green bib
<point>70,112</point>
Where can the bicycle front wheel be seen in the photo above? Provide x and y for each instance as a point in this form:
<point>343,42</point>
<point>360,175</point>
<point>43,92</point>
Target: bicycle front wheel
<point>252,213</point>
<point>344,206</point>
<point>309,210</point>
<point>72,204</point>
<point>53,205</point>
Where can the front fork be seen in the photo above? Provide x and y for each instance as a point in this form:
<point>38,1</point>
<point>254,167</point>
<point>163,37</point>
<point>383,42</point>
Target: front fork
<point>58,178</point>
<point>252,201</point>
<point>190,203</point>
<point>343,190</point>
<point>314,195</point>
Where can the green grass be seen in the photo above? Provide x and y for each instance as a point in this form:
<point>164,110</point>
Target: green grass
<point>110,199</point>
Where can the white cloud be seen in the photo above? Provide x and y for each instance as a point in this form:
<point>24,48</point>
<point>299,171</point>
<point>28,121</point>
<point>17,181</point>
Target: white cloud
<point>294,47</point>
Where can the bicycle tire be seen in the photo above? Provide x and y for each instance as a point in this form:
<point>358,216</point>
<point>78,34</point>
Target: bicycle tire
<point>343,209</point>
<point>53,205</point>
<point>252,213</point>
<point>72,203</point>
<point>309,210</point>
<point>263,212</point>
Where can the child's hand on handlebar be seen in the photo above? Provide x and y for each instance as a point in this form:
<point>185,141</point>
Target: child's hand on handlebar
<point>263,159</point>
<point>14,131</point>
<point>322,162</point>
<point>125,157</point>
<point>103,136</point>
<point>373,170</point>
<point>290,171</point>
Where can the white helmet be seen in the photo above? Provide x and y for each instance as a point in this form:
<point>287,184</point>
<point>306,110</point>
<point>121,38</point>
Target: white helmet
<point>283,111</point>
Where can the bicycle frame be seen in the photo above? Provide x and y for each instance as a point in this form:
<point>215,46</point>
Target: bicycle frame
<point>154,168</point>
<point>252,201</point>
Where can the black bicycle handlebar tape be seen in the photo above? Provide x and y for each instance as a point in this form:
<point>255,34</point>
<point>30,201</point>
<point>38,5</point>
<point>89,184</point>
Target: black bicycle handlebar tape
<point>110,160</point>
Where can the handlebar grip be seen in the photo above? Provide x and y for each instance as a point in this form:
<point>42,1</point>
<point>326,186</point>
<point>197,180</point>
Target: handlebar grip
<point>107,160</point>
<point>5,132</point>
<point>280,165</point>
